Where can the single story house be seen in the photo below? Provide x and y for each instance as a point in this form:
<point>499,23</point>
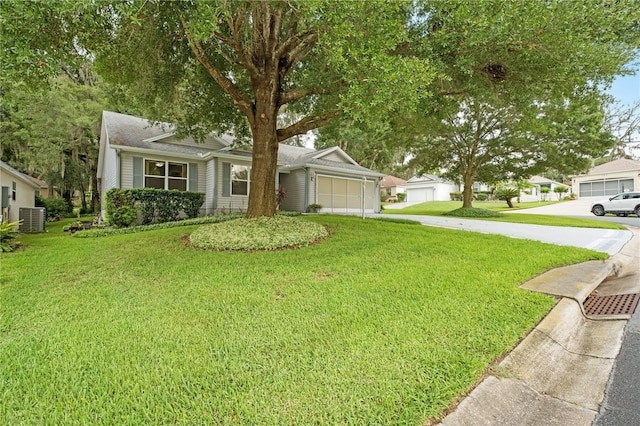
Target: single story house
<point>391,186</point>
<point>614,177</point>
<point>18,191</point>
<point>534,193</point>
<point>135,153</point>
<point>429,188</point>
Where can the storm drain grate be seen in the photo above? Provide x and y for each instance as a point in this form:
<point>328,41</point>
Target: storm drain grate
<point>619,304</point>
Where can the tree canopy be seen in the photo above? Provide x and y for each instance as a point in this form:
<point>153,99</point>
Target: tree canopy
<point>519,86</point>
<point>237,65</point>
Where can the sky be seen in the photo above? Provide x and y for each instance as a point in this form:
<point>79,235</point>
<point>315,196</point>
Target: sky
<point>626,89</point>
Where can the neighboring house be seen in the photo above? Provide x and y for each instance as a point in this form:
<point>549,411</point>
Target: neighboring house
<point>534,193</point>
<point>18,190</point>
<point>608,179</point>
<point>391,186</point>
<point>135,153</point>
<point>44,190</point>
<point>429,188</point>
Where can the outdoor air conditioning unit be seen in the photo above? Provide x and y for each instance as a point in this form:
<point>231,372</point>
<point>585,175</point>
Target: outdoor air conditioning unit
<point>33,219</point>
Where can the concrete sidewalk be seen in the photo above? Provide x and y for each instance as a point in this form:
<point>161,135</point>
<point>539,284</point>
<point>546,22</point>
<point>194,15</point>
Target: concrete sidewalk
<point>558,374</point>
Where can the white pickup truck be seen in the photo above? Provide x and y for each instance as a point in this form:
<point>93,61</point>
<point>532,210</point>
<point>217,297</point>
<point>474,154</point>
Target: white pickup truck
<point>622,204</point>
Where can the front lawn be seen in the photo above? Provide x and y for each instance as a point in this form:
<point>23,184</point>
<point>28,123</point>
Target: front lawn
<point>382,323</point>
<point>439,208</point>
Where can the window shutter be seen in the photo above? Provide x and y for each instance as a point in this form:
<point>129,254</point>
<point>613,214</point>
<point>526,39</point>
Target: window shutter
<point>193,177</point>
<point>137,173</point>
<point>226,179</point>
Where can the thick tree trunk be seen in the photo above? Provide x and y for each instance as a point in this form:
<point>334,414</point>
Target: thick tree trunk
<point>467,193</point>
<point>262,192</point>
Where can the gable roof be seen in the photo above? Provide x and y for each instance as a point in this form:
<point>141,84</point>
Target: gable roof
<point>298,158</point>
<point>541,180</point>
<point>19,175</point>
<point>620,165</point>
<point>140,135</point>
<point>391,181</point>
<point>427,178</point>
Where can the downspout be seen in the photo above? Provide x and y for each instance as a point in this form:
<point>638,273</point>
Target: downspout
<point>306,189</point>
<point>364,193</point>
<point>118,172</point>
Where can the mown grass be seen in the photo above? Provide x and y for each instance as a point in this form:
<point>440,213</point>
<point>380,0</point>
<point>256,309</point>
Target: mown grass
<point>382,323</point>
<point>440,208</point>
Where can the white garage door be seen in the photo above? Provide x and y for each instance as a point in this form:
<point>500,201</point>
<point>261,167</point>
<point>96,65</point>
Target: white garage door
<point>420,195</point>
<point>343,195</point>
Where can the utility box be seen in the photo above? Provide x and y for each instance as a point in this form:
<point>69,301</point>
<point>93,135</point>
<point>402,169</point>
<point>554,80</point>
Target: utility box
<point>33,219</point>
<point>5,197</point>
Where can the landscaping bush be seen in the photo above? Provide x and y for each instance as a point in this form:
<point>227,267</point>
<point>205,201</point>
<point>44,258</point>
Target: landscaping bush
<point>105,232</point>
<point>456,196</point>
<point>401,196</point>
<point>57,207</point>
<point>155,205</point>
<point>8,233</point>
<point>124,216</point>
<point>472,212</point>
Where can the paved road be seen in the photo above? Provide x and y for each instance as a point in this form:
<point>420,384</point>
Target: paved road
<point>604,240</point>
<point>621,405</point>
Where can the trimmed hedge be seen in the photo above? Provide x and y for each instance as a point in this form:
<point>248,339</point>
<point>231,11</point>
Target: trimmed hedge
<point>153,205</point>
<point>105,232</point>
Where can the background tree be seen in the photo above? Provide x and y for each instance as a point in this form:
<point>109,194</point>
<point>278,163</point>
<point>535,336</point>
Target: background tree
<point>232,65</point>
<point>502,66</point>
<point>53,134</point>
<point>623,122</point>
<point>475,141</point>
<point>374,148</point>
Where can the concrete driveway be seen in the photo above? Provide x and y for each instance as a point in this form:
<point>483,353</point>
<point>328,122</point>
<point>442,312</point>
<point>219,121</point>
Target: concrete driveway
<point>604,240</point>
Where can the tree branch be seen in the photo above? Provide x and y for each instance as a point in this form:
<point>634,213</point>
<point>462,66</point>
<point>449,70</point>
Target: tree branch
<point>306,124</point>
<point>295,94</point>
<point>239,98</point>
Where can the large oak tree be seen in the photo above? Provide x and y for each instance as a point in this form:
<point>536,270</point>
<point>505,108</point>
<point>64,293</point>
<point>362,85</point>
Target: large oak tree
<point>233,65</point>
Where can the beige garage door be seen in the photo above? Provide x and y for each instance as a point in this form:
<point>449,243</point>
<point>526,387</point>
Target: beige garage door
<point>343,195</point>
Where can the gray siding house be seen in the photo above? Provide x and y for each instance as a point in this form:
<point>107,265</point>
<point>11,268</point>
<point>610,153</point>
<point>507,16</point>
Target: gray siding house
<point>135,153</point>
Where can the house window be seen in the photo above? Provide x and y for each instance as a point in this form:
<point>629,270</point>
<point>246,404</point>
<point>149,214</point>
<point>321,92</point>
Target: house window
<point>240,178</point>
<point>165,175</point>
<point>13,191</point>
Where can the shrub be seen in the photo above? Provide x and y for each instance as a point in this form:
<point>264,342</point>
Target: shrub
<point>8,233</point>
<point>507,193</point>
<point>105,232</point>
<point>124,216</point>
<point>314,208</point>
<point>401,196</point>
<point>456,196</point>
<point>481,196</point>
<point>156,205</point>
<point>57,207</point>
<point>472,212</point>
